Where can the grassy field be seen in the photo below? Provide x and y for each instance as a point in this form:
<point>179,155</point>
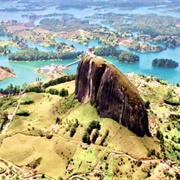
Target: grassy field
<point>26,150</point>
<point>67,85</point>
<point>42,139</point>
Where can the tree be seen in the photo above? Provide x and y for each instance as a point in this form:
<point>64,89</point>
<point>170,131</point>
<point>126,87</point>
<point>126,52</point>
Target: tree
<point>139,162</point>
<point>147,104</point>
<point>72,132</point>
<point>86,138</point>
<point>63,92</point>
<point>95,135</point>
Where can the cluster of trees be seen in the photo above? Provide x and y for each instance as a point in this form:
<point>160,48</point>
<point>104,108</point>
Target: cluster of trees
<point>159,29</point>
<point>167,63</point>
<point>50,24</point>
<point>65,23</point>
<point>38,87</point>
<point>155,25</point>
<point>11,90</point>
<point>169,99</point>
<point>63,92</point>
<point>92,125</point>
<point>123,56</point>
<point>31,54</point>
<point>143,47</point>
<point>59,80</point>
<point>4,50</point>
<point>73,129</point>
<point>105,51</point>
<point>127,57</point>
<point>35,88</point>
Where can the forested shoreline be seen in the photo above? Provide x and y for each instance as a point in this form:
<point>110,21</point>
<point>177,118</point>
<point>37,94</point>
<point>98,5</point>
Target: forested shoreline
<point>122,56</point>
<point>31,54</point>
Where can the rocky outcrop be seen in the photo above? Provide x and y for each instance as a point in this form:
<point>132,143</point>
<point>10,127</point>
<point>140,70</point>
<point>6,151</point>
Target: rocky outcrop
<point>114,96</point>
<point>6,72</point>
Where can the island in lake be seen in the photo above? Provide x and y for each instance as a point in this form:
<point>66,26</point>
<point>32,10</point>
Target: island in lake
<point>166,63</point>
<point>122,56</point>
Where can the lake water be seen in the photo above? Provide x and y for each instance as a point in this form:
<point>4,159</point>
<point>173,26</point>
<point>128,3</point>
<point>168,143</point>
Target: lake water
<point>25,71</point>
<point>17,15</point>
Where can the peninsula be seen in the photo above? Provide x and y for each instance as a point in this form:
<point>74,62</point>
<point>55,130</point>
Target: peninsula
<point>6,72</point>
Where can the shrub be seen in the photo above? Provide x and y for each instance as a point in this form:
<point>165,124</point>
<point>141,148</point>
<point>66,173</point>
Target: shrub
<point>23,113</point>
<point>27,100</point>
<point>76,124</point>
<point>139,162</point>
<point>95,135</point>
<point>151,152</point>
<point>63,92</point>
<point>86,138</point>
<point>53,91</point>
<point>147,104</point>
<point>57,120</point>
<point>49,136</point>
<point>72,132</point>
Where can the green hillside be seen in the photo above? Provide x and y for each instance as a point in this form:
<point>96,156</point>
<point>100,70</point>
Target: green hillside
<point>44,139</point>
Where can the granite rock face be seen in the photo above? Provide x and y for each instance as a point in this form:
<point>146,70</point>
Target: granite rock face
<point>113,95</point>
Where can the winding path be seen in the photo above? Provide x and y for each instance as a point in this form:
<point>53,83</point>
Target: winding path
<point>10,118</point>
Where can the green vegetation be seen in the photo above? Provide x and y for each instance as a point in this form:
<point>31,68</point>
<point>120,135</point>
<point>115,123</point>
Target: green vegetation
<point>11,89</point>
<point>23,113</point>
<point>171,98</point>
<point>4,50</point>
<point>128,57</point>
<point>150,27</point>
<point>63,92</point>
<point>66,85</point>
<point>169,139</point>
<point>27,100</point>
<point>35,87</point>
<point>164,111</point>
<point>48,129</point>
<point>72,132</point>
<point>92,125</point>
<point>143,47</point>
<point>66,23</point>
<point>40,87</point>
<point>105,51</point>
<point>95,135</point>
<point>167,63</point>
<point>60,80</point>
<point>123,56</point>
<point>86,138</point>
<point>69,123</point>
<point>35,55</point>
